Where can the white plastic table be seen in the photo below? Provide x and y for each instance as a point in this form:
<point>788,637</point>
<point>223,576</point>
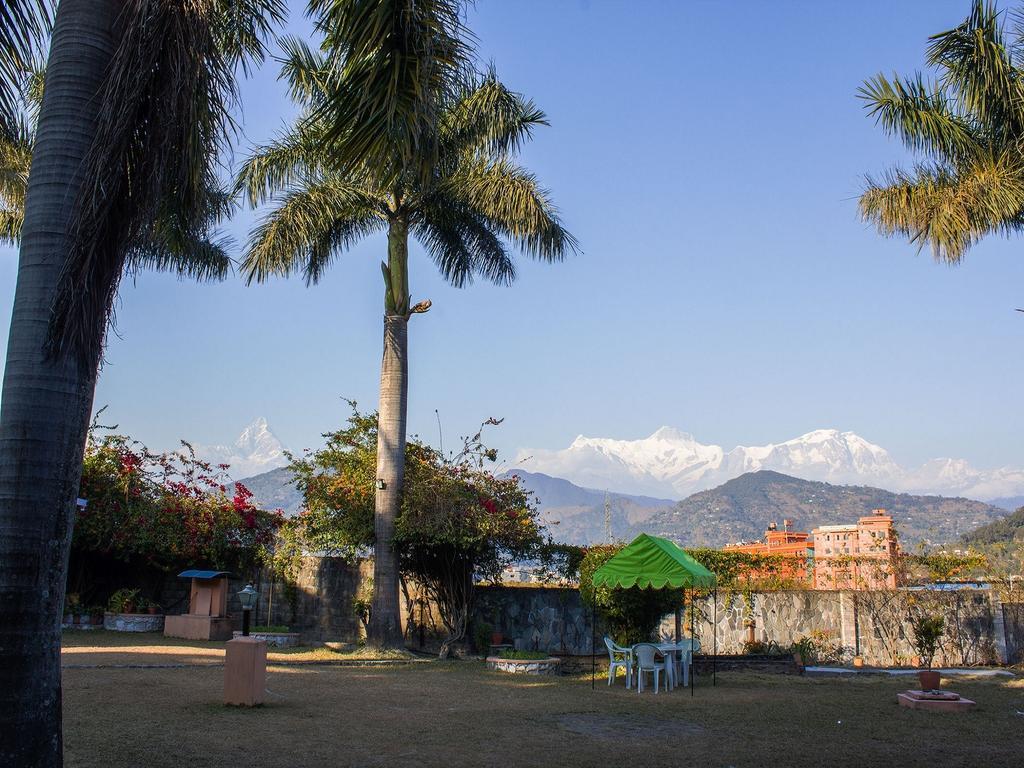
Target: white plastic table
<point>674,652</point>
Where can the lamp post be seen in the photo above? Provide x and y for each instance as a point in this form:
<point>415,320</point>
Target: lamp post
<point>247,597</point>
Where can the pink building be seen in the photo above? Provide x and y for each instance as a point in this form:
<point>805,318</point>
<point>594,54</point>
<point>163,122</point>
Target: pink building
<point>856,556</point>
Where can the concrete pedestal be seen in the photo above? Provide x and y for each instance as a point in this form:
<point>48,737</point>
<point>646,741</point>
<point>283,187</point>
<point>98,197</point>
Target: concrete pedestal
<point>245,671</point>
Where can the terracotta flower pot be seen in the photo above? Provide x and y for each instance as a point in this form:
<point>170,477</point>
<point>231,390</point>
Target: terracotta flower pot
<point>152,610</point>
<point>496,638</point>
<point>929,679</point>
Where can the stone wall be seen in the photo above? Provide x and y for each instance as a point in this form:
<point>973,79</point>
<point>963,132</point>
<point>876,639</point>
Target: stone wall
<point>980,628</point>
<point>547,619</point>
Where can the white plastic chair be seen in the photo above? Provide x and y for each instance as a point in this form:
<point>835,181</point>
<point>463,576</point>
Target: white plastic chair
<point>619,657</point>
<point>646,661</point>
<point>685,656</point>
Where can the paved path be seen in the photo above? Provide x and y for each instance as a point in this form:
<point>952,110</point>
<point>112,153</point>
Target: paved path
<point>881,671</point>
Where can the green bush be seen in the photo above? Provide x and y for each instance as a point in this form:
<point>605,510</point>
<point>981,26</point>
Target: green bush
<point>482,636</point>
<point>124,601</point>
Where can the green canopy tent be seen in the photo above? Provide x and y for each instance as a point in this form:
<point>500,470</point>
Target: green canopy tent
<point>651,562</point>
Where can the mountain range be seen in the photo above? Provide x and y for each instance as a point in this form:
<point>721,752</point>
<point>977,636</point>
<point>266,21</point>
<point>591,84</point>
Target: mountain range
<point>254,451</point>
<point>673,464</point>
<point>728,496</point>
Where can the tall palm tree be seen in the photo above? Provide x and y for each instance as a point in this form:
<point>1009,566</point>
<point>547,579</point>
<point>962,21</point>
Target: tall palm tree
<point>968,125</point>
<point>135,111</point>
<point>474,200</point>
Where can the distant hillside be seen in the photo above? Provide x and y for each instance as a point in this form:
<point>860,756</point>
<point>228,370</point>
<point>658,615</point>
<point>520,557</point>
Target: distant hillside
<point>1009,503</point>
<point>740,509</point>
<point>273,490</point>
<point>575,515</point>
<point>1003,531</point>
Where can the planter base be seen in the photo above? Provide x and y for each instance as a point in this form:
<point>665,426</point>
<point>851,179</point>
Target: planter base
<point>133,622</point>
<point>276,639</point>
<point>934,702</point>
<point>548,666</point>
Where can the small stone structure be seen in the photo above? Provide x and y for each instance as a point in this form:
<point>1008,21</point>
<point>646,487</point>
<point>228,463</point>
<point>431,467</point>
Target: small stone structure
<point>133,622</point>
<point>276,639</point>
<point>548,666</point>
<point>207,617</point>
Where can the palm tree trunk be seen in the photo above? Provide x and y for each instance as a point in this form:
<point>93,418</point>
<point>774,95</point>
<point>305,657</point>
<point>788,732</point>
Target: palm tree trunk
<point>46,403</point>
<point>385,628</point>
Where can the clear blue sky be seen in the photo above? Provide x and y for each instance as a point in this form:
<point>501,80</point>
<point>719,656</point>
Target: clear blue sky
<point>708,156</point>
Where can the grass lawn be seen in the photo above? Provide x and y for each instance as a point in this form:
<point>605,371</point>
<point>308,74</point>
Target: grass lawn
<point>459,714</point>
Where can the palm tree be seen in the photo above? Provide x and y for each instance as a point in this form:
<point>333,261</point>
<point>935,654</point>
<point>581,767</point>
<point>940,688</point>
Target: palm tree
<point>134,114</point>
<point>968,125</point>
<point>474,201</point>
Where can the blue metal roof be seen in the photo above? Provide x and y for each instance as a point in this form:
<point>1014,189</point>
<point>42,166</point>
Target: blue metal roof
<point>203,574</point>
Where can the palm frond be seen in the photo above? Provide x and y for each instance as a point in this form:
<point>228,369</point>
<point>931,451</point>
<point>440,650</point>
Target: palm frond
<point>281,163</point>
<point>308,73</point>
<point>24,25</point>
<point>947,210</point>
<point>15,161</point>
<point>311,225</point>
<point>164,122</point>
<point>514,205</point>
<point>463,245</point>
<point>489,119</point>
<point>977,66</point>
<point>919,114</point>
<point>202,260</point>
<point>10,226</point>
<point>403,60</point>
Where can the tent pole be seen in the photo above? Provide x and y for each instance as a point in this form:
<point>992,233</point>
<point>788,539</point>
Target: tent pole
<point>714,659</point>
<point>593,644</point>
<point>693,668</point>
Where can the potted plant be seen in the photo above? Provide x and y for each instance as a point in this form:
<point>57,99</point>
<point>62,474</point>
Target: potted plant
<point>96,612</point>
<point>72,605</point>
<point>153,607</point>
<point>123,601</point>
<point>927,631</point>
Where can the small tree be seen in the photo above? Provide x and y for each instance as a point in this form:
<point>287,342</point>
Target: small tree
<point>927,631</point>
<point>458,522</point>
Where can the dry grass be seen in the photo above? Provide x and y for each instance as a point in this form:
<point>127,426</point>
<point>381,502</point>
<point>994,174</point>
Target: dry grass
<point>459,714</point>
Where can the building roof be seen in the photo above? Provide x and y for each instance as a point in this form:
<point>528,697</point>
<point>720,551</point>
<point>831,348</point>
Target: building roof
<point>194,574</point>
<point>835,528</point>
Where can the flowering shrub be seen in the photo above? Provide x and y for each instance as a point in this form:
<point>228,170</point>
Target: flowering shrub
<point>458,521</point>
<point>167,510</point>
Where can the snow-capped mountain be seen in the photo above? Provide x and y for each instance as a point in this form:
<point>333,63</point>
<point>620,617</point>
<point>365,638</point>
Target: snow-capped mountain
<point>256,450</point>
<point>673,463</point>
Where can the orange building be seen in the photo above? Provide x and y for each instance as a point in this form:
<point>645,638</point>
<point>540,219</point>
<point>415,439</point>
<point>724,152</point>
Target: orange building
<point>859,555</point>
<point>796,546</point>
<point>856,556</point>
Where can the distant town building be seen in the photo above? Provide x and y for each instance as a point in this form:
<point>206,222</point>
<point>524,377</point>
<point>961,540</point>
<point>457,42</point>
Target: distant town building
<point>859,555</point>
<point>796,546</point>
